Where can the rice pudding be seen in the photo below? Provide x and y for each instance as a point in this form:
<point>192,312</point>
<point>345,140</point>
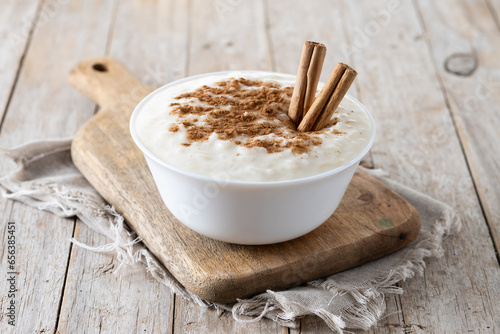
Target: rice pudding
<point>236,124</point>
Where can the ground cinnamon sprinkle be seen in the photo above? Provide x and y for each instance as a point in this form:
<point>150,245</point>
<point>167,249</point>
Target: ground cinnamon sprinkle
<point>173,128</point>
<point>242,111</point>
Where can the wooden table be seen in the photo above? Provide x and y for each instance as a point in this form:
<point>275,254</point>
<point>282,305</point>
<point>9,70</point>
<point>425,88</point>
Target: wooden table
<point>428,70</point>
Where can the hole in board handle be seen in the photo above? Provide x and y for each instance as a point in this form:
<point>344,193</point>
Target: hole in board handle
<point>100,67</point>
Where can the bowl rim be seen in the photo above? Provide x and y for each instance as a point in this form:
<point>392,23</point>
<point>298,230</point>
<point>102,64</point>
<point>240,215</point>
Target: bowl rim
<point>200,177</point>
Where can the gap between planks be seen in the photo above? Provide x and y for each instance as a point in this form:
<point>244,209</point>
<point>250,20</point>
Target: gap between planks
<point>109,39</point>
<point>63,288</point>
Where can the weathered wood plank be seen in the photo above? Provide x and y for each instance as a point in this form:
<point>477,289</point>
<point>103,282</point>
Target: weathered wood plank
<point>16,23</point>
<point>494,7</point>
<point>215,43</point>
<point>40,277</point>
<point>150,37</point>
<point>465,44</point>
<point>418,145</point>
<point>98,301</point>
<point>44,106</point>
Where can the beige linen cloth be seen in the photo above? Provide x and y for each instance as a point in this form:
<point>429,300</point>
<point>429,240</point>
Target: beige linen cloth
<point>44,177</point>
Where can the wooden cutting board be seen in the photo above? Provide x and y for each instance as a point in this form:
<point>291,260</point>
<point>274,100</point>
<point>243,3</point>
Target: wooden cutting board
<point>371,221</point>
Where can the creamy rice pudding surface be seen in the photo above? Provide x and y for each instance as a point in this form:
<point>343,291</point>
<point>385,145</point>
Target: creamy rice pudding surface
<point>234,126</point>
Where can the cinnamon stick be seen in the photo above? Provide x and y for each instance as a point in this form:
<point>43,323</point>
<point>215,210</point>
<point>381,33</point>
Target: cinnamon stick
<point>328,99</point>
<point>321,101</point>
<point>313,75</point>
<point>311,62</point>
<point>337,96</point>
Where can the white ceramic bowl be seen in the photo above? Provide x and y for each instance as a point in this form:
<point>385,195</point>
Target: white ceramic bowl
<point>251,213</point>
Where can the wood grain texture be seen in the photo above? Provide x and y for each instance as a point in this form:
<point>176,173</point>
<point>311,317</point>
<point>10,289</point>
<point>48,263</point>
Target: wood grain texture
<point>152,38</point>
<point>106,155</point>
<point>131,300</point>
<point>40,277</point>
<point>16,23</point>
<point>458,292</point>
<point>42,87</point>
<point>127,301</point>
<point>494,7</point>
<point>468,66</point>
<point>43,106</point>
<point>422,150</point>
<point>221,47</point>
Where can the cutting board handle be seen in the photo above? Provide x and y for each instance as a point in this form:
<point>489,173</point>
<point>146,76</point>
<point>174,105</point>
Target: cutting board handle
<point>107,82</point>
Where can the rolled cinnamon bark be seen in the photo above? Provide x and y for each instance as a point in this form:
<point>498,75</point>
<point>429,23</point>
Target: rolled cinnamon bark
<point>308,74</point>
<point>321,101</point>
<point>313,75</point>
<point>334,101</point>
